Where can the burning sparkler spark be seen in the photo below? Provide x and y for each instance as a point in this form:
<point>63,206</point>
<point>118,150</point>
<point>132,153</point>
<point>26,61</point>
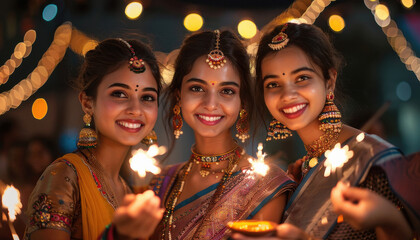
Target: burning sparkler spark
<point>11,201</point>
<point>336,158</point>
<point>258,165</point>
<point>144,161</point>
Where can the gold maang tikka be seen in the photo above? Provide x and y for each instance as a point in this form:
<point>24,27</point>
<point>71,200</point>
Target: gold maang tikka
<point>216,58</point>
<point>136,65</point>
<point>280,40</point>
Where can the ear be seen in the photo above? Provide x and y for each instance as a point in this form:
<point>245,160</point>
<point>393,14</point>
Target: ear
<point>332,80</point>
<point>86,102</point>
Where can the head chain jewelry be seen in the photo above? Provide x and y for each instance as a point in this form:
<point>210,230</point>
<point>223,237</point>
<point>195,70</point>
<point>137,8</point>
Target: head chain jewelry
<point>216,58</point>
<point>280,40</point>
<point>135,64</point>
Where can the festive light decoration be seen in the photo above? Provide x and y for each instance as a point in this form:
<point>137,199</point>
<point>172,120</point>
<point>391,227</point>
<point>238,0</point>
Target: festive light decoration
<point>46,65</point>
<point>336,23</point>
<point>394,35</point>
<point>133,10</point>
<point>11,201</point>
<point>247,29</point>
<point>258,166</point>
<point>336,158</point>
<point>144,161</point>
<point>193,22</point>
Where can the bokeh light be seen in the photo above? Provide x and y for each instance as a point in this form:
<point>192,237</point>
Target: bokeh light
<point>133,10</point>
<point>49,12</point>
<point>381,11</point>
<point>247,29</point>
<point>404,91</point>
<point>336,23</point>
<point>193,22</point>
<point>39,108</point>
<point>408,3</point>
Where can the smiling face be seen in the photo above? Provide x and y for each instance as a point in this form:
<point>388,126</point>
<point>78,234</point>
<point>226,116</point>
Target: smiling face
<point>209,98</point>
<point>125,109</point>
<point>294,89</point>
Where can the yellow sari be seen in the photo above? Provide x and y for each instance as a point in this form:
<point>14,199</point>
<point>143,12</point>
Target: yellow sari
<point>96,211</point>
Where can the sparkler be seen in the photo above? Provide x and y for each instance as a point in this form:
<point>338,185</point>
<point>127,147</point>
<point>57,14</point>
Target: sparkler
<point>11,201</point>
<point>336,158</point>
<point>144,161</point>
<point>258,165</point>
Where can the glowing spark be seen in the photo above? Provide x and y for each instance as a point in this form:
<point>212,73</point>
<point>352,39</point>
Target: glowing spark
<point>11,201</point>
<point>360,137</point>
<point>336,158</point>
<point>258,165</point>
<point>144,161</point>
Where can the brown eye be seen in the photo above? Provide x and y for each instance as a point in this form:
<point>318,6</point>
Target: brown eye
<point>118,94</point>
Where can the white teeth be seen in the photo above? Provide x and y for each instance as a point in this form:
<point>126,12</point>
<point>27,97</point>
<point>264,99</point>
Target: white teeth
<point>294,109</point>
<point>129,125</point>
<point>209,119</point>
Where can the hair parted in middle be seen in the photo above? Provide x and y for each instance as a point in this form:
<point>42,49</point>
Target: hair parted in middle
<point>201,44</point>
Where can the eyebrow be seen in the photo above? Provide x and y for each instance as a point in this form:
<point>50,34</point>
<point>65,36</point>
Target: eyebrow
<point>128,87</point>
<point>293,72</point>
<point>205,83</point>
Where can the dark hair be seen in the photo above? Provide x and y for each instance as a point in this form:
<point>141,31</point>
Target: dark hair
<point>108,56</point>
<point>200,44</point>
<point>310,39</point>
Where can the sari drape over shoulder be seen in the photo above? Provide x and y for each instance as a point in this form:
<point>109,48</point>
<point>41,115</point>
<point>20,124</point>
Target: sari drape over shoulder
<point>242,198</point>
<point>68,197</point>
<point>310,207</point>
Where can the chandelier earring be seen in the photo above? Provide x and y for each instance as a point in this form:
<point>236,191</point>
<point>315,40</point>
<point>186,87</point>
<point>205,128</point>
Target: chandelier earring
<point>277,130</point>
<point>330,116</point>
<point>242,126</point>
<point>177,121</point>
<point>87,136</point>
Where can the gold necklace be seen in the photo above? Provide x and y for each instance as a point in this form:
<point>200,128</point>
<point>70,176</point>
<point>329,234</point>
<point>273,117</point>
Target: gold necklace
<point>173,198</point>
<point>207,160</point>
<point>318,147</point>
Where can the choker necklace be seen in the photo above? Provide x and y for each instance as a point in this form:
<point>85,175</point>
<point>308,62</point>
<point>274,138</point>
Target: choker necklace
<point>177,190</point>
<point>207,161</point>
<point>317,148</point>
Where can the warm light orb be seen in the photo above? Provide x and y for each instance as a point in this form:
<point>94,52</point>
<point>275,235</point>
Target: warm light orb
<point>408,3</point>
<point>39,108</point>
<point>193,22</point>
<point>247,29</point>
<point>133,10</point>
<point>336,158</point>
<point>89,45</point>
<point>381,11</point>
<point>11,201</point>
<point>336,23</point>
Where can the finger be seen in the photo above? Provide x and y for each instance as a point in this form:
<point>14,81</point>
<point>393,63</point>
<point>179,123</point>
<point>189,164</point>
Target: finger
<point>355,193</point>
<point>289,231</point>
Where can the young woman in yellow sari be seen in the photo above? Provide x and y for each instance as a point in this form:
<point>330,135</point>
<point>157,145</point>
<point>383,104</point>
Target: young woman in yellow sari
<point>76,196</point>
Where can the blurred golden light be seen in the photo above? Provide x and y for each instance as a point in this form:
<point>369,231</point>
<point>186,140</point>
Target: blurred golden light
<point>247,29</point>
<point>408,3</point>
<point>20,50</point>
<point>193,22</point>
<point>336,23</point>
<point>89,45</point>
<point>133,10</point>
<point>30,36</point>
<point>381,11</point>
<point>39,108</point>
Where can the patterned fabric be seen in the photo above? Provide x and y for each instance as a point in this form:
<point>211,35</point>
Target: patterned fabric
<point>55,201</point>
<point>242,198</point>
<point>317,217</point>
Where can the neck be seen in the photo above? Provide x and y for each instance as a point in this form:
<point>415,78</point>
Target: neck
<point>111,158</point>
<point>214,145</point>
<point>310,133</point>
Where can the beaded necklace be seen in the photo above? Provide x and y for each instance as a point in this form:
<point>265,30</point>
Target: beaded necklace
<point>173,198</point>
<point>207,161</point>
<point>318,147</point>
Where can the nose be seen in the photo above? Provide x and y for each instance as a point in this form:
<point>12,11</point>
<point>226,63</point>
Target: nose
<point>289,93</point>
<point>134,107</point>
<point>211,101</point>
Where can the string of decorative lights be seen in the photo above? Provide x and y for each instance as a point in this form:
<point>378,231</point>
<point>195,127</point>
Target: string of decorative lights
<point>46,65</point>
<point>394,35</point>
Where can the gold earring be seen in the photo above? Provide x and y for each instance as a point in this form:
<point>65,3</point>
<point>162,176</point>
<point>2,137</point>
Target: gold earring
<point>177,121</point>
<point>87,136</point>
<point>150,139</point>
<point>330,116</point>
<point>242,126</point>
<point>277,130</point>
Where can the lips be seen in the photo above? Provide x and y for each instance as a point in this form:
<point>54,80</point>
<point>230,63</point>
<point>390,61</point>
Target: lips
<point>130,125</point>
<point>294,111</point>
<point>209,120</point>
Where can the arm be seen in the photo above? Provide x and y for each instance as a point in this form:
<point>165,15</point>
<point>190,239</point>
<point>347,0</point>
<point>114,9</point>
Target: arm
<point>364,209</point>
